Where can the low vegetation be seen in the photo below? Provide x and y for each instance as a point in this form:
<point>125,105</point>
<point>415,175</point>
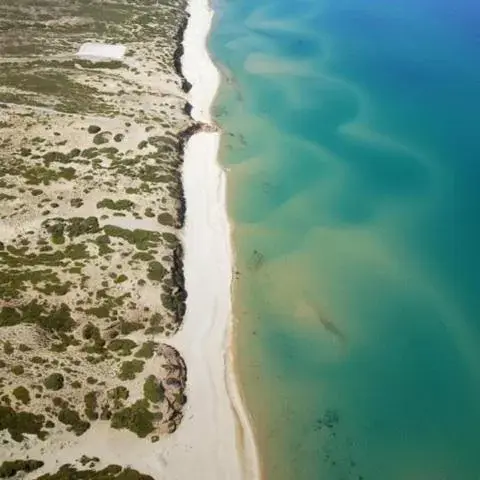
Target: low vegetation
<point>137,418</point>
<point>11,468</point>
<point>111,472</point>
<point>83,292</point>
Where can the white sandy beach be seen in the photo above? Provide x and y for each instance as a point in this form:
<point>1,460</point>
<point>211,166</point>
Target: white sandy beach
<point>215,440</point>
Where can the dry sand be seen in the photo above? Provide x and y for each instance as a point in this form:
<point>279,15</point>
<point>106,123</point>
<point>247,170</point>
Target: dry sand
<point>215,440</point>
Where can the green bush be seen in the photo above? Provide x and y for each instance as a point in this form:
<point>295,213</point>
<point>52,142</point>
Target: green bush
<point>122,346</point>
<point>72,419</point>
<point>166,219</point>
<point>115,205</point>
<point>101,138</point>
<point>18,423</point>
<point>130,368</point>
<point>91,405</point>
<point>156,271</point>
<point>152,390</point>
<point>93,129</point>
<point>22,394</point>
<point>11,468</point>
<point>54,381</point>
<point>136,418</point>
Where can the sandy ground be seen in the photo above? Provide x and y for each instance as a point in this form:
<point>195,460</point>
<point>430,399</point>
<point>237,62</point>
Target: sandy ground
<point>214,440</point>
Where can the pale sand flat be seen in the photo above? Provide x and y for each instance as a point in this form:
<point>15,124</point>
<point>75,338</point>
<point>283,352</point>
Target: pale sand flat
<point>215,440</point>
<point>101,51</point>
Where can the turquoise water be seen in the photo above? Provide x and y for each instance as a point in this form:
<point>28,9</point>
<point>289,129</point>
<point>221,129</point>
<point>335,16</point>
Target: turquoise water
<point>353,150</point>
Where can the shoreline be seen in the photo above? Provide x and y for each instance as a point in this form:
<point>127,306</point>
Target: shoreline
<point>215,419</point>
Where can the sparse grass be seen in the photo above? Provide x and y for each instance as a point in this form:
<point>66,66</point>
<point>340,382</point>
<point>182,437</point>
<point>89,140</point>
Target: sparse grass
<point>72,96</point>
<point>112,64</point>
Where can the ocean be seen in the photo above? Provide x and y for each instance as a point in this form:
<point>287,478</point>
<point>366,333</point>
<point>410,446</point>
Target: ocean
<point>352,146</point>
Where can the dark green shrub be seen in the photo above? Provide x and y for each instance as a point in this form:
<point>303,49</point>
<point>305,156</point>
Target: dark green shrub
<point>54,381</point>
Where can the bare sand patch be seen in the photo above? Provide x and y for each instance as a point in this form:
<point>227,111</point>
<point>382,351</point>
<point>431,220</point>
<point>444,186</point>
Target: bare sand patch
<point>101,51</point>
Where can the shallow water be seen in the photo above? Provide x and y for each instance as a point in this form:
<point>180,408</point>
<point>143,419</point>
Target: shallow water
<point>351,143</point>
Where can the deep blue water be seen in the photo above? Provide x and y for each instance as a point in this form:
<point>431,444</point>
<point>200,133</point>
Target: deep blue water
<point>353,149</point>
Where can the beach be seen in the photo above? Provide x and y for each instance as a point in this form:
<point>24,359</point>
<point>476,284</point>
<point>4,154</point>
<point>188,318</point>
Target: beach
<point>215,439</point>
